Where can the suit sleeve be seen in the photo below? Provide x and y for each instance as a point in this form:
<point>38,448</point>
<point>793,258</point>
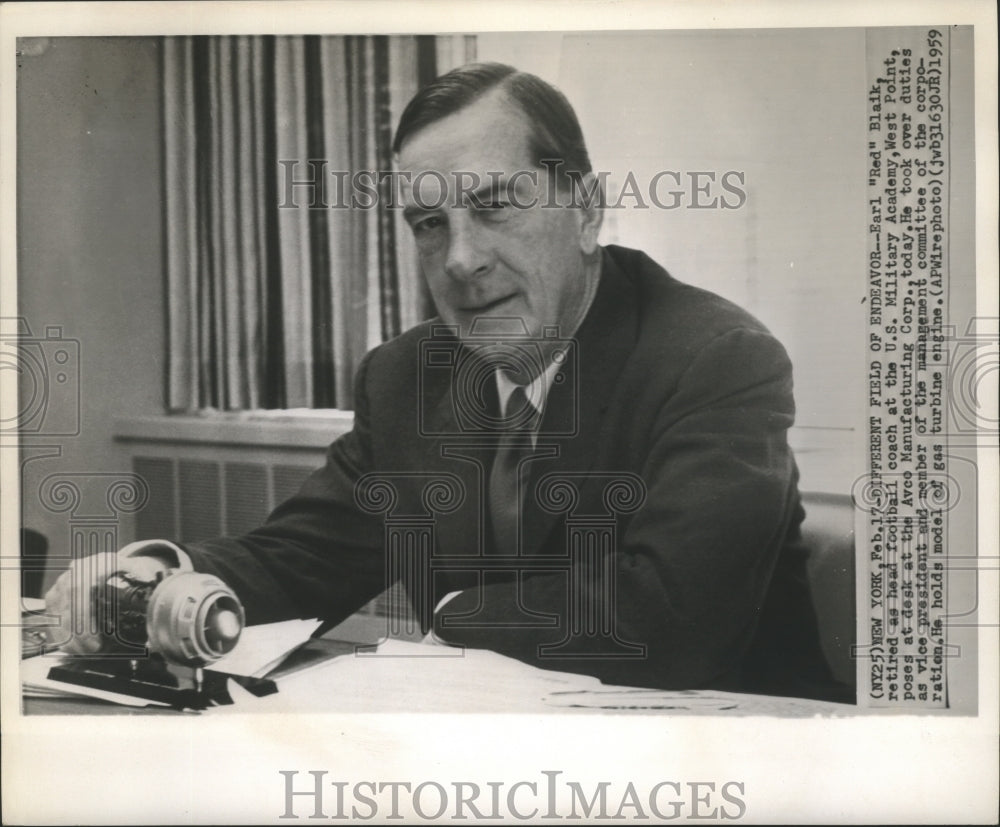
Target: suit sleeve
<point>317,555</point>
<point>694,563</point>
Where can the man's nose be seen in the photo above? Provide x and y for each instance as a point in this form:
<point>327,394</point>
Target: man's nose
<point>468,255</point>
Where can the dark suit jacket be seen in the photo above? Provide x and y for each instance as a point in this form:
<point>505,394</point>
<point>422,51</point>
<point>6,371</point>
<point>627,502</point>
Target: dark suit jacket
<point>672,386</point>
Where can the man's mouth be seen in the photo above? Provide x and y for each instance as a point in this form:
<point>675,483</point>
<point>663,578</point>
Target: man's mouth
<point>488,306</point>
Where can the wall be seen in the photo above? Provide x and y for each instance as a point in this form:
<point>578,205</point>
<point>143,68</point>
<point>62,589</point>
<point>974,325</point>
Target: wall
<point>90,258</point>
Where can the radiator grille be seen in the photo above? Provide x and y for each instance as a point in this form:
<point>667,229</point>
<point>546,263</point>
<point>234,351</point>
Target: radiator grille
<point>246,496</point>
<point>159,517</point>
<point>195,499</point>
<point>288,479</point>
<point>192,499</point>
<point>201,500</point>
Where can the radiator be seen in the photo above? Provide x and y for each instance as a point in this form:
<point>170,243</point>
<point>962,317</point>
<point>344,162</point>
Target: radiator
<point>204,491</point>
<point>194,499</point>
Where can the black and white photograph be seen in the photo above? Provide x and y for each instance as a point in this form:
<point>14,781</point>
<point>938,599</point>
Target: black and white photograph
<point>472,411</point>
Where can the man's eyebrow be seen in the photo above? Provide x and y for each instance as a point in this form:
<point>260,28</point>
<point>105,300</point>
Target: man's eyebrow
<point>494,187</point>
<point>481,196</point>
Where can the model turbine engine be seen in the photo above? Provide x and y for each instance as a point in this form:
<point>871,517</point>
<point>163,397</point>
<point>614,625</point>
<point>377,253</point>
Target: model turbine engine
<point>189,619</point>
<point>158,636</point>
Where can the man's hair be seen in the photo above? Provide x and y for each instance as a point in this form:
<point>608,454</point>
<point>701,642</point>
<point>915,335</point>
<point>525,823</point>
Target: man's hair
<point>556,133</point>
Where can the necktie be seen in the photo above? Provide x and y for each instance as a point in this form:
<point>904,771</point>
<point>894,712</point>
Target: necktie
<point>509,471</point>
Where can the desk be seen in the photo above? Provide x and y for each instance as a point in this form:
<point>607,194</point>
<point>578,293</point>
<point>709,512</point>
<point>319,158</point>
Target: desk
<point>402,677</point>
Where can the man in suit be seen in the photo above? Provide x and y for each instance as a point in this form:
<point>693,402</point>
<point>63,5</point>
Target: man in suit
<point>622,500</point>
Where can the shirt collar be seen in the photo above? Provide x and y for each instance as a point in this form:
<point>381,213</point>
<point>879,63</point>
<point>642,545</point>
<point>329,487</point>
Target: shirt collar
<point>538,389</point>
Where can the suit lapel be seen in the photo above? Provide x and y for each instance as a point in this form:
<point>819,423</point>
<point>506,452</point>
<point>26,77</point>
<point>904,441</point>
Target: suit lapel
<point>575,410</point>
<point>462,532</point>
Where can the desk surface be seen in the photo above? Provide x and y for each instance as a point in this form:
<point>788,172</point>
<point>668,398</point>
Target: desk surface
<point>405,677</point>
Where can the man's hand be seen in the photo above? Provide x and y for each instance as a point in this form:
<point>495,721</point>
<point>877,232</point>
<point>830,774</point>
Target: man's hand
<point>73,597</point>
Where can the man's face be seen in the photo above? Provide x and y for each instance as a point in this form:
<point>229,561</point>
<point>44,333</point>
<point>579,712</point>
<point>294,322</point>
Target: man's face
<point>488,246</point>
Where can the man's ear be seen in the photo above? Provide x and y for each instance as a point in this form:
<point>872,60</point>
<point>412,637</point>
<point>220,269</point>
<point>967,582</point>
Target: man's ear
<point>590,201</point>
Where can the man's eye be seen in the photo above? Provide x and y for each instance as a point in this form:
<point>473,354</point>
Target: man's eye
<point>432,222</point>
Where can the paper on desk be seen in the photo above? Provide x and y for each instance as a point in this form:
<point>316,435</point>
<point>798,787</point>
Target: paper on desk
<point>258,646</point>
<point>35,683</point>
<point>693,701</point>
<point>413,677</point>
<point>626,698</point>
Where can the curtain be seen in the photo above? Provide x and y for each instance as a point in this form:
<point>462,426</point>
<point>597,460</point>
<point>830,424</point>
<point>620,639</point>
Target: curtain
<point>271,303</point>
